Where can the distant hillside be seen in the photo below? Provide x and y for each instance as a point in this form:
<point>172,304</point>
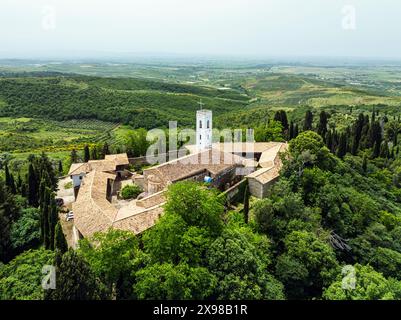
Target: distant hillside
<point>137,102</point>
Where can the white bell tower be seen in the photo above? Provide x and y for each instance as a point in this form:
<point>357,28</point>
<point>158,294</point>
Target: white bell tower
<point>203,128</point>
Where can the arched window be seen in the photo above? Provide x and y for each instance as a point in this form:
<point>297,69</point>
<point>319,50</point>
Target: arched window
<point>208,124</point>
<point>200,124</point>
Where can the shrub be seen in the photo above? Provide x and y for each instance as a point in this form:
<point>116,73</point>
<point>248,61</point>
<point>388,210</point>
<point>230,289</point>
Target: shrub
<point>130,191</point>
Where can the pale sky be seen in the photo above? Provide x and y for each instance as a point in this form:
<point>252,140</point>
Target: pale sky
<point>62,28</point>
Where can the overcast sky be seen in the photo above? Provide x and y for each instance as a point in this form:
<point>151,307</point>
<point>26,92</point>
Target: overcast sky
<point>32,28</point>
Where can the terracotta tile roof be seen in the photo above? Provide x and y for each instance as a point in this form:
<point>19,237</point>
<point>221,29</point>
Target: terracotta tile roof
<point>213,160</point>
<point>108,164</point>
<point>94,213</point>
<point>272,168</point>
<point>119,159</point>
<point>267,158</point>
<point>78,168</point>
<point>237,147</point>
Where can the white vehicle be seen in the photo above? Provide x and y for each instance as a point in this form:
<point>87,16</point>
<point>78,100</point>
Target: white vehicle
<point>69,216</point>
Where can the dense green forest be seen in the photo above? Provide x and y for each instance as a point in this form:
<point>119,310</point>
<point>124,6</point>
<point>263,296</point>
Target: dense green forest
<point>139,103</point>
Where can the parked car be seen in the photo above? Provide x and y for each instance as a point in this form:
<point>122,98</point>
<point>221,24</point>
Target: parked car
<point>60,202</point>
<point>69,216</point>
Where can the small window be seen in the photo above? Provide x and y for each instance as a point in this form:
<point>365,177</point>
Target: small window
<point>80,177</point>
<point>200,124</point>
<point>208,124</point>
<point>200,137</point>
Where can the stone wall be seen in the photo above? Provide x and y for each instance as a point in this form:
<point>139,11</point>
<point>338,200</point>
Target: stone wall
<point>236,193</point>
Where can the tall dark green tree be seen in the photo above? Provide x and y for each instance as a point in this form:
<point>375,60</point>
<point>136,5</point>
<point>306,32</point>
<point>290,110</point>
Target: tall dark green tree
<point>281,116</point>
<point>342,147</point>
<point>296,130</point>
<point>45,209</point>
<point>384,150</point>
<point>60,243</point>
<point>322,125</point>
<point>9,213</point>
<point>60,167</point>
<point>329,140</point>
<point>33,186</point>
<point>94,153</point>
<point>365,164</point>
<point>291,131</point>
<point>53,219</point>
<point>74,156</point>
<point>357,133</point>
<point>45,170</point>
<point>246,204</point>
<point>75,280</point>
<point>376,138</point>
<point>105,150</point>
<point>308,122</point>
<point>10,183</point>
<point>86,153</point>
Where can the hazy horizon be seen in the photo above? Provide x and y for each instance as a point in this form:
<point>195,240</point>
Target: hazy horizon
<point>254,29</point>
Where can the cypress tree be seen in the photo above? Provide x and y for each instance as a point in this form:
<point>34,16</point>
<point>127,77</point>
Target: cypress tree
<point>322,126</point>
<point>60,167</point>
<point>246,204</point>
<point>10,183</point>
<point>384,150</point>
<point>23,190</point>
<point>296,130</point>
<point>348,135</point>
<point>284,119</point>
<point>53,218</point>
<point>308,120</point>
<point>32,187</point>
<point>19,183</point>
<point>291,132</point>
<point>365,164</point>
<point>86,153</point>
<point>60,243</point>
<point>105,150</point>
<point>74,156</point>
<point>75,280</point>
<point>342,147</point>
<point>45,209</point>
<point>335,140</point>
<point>376,138</point>
<point>329,140</point>
<point>94,155</point>
<point>357,133</point>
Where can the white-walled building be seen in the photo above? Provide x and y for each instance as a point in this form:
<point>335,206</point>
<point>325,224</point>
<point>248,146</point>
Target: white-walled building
<point>204,129</point>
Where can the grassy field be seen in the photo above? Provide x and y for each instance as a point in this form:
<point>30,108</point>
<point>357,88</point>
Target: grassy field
<point>21,135</point>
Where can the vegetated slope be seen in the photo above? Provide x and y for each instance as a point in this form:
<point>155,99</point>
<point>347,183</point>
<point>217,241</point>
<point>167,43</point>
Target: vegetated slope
<point>283,89</point>
<point>140,103</point>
